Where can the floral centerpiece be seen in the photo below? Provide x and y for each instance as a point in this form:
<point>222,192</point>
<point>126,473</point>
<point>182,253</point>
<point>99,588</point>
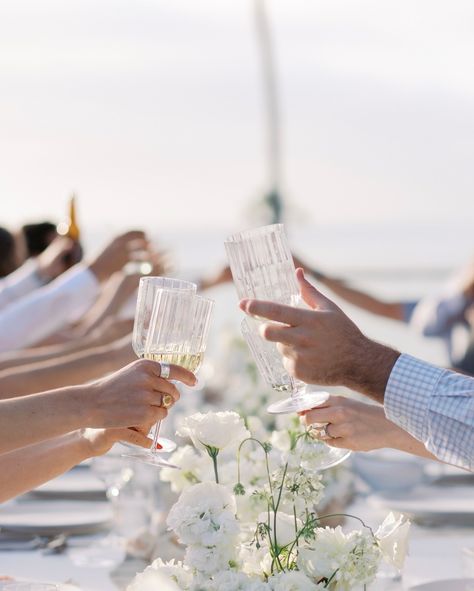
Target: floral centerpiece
<point>247,515</point>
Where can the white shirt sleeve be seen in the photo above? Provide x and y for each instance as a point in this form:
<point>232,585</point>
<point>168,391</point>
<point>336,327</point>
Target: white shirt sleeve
<point>48,309</point>
<point>434,405</point>
<point>19,283</point>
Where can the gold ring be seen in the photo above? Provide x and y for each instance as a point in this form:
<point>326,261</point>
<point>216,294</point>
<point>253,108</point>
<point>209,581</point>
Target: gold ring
<point>167,401</point>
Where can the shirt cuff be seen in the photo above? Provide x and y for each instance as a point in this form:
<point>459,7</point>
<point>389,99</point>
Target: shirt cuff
<point>407,396</point>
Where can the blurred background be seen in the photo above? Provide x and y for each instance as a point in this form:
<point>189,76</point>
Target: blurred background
<point>156,114</point>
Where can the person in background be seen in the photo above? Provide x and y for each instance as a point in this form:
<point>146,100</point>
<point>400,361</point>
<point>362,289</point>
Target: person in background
<point>8,253</point>
<point>38,237</point>
<point>45,434</point>
<point>321,345</point>
<point>66,299</point>
<point>443,316</point>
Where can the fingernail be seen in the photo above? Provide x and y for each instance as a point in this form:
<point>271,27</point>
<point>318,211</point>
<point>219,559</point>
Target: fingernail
<point>159,446</point>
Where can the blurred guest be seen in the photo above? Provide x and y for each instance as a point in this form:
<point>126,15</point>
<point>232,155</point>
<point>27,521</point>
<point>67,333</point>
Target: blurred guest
<point>64,301</point>
<point>8,253</point>
<point>38,237</point>
<point>323,346</point>
<point>443,316</point>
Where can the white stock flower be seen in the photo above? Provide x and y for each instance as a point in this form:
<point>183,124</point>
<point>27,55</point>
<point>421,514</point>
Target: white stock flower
<point>285,526</point>
<point>349,559</point>
<point>166,576</point>
<point>392,536</point>
<point>204,514</point>
<point>214,429</point>
<point>292,581</point>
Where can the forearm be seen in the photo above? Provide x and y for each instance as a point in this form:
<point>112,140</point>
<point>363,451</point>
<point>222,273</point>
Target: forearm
<point>369,369</point>
<point>69,370</point>
<point>25,469</point>
<point>45,353</point>
<point>393,310</point>
<point>39,417</point>
<point>403,441</point>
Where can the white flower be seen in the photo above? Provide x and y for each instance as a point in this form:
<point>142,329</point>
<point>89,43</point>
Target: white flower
<point>204,514</point>
<point>166,576</point>
<point>214,429</point>
<point>257,428</point>
<point>189,461</point>
<point>292,581</point>
<point>234,581</point>
<point>255,561</point>
<point>392,536</point>
<point>281,440</point>
<point>209,560</point>
<point>285,526</point>
<point>348,559</point>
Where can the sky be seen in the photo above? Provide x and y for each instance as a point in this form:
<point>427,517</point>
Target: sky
<point>151,110</point>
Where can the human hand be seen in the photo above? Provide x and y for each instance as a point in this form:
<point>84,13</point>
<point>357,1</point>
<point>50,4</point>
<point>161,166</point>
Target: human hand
<point>117,253</point>
<point>133,395</point>
<point>100,441</point>
<point>53,260</point>
<point>322,345</point>
<point>352,425</point>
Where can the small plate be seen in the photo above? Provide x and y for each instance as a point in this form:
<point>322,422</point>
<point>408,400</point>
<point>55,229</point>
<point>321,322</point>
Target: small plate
<point>54,517</point>
<point>446,585</point>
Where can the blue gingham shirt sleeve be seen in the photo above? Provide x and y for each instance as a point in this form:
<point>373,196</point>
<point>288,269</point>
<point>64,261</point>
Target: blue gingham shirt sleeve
<point>434,405</point>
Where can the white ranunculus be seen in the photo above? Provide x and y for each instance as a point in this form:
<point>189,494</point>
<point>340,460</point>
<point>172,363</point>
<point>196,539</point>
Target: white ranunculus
<point>285,527</point>
<point>292,581</point>
<point>214,429</point>
<point>209,560</point>
<point>392,536</point>
<point>204,514</point>
<point>350,559</point>
<point>255,562</point>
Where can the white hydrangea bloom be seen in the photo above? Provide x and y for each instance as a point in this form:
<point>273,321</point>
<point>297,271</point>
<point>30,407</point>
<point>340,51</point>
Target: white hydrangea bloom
<point>214,429</point>
<point>392,536</point>
<point>209,560</point>
<point>293,581</point>
<point>204,514</point>
<point>166,576</point>
<point>351,559</point>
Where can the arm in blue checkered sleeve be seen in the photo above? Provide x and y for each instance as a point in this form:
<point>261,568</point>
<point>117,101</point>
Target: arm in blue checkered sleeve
<point>434,405</point>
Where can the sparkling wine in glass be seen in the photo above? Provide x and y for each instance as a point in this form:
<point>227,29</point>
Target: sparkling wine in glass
<point>147,293</point>
<point>178,332</point>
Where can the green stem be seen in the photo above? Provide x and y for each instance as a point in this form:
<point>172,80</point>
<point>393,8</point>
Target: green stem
<point>216,473</point>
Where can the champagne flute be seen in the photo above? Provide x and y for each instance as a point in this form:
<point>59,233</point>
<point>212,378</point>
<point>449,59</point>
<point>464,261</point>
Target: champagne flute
<point>147,293</point>
<point>177,334</point>
<point>262,268</point>
<point>270,365</point>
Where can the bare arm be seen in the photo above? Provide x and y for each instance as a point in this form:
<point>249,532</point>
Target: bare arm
<point>129,397</point>
<point>72,369</point>
<point>25,469</point>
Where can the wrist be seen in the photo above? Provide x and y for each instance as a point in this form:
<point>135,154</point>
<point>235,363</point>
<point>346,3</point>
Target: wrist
<point>98,270</point>
<point>370,368</point>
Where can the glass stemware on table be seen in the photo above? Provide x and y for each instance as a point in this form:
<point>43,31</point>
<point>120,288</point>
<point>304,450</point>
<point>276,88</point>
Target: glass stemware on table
<point>263,268</point>
<point>171,326</point>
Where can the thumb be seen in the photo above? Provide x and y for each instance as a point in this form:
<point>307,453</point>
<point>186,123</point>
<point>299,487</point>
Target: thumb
<point>314,298</point>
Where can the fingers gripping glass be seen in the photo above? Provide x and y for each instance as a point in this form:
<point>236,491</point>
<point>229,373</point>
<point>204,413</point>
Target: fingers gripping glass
<point>177,334</point>
<point>263,268</point>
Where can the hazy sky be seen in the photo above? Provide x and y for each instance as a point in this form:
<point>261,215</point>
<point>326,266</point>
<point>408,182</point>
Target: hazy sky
<point>151,110</point>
